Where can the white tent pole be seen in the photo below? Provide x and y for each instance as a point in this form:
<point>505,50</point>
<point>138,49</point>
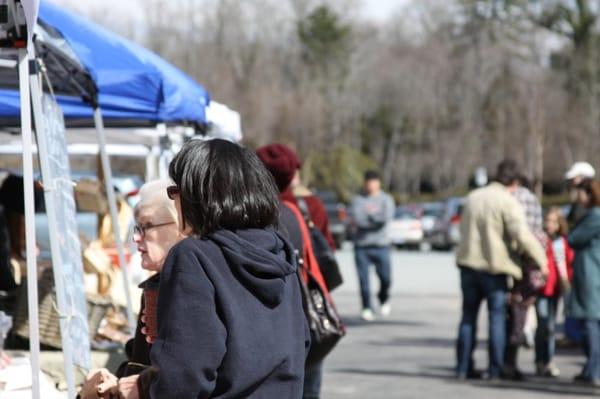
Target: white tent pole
<point>163,157</point>
<point>112,204</point>
<point>57,260</point>
<point>30,243</point>
<point>151,172</point>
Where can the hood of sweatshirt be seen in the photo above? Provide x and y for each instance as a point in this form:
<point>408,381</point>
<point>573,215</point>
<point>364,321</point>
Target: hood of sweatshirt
<point>261,259</point>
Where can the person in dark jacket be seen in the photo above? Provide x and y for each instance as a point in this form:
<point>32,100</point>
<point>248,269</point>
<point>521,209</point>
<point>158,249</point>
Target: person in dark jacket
<point>584,301</point>
<point>12,227</point>
<point>576,175</point>
<point>284,165</point>
<point>230,317</point>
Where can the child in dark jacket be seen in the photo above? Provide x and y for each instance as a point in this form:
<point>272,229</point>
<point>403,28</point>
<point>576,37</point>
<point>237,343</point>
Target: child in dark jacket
<point>560,272</point>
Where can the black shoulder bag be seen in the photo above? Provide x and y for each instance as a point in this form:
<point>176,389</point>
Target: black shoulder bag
<point>323,252</point>
<point>326,327</point>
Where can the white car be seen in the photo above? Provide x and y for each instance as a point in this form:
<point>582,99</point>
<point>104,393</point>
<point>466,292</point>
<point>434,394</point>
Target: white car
<point>406,229</point>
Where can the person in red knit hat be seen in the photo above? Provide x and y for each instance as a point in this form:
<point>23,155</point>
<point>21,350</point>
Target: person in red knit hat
<point>284,165</point>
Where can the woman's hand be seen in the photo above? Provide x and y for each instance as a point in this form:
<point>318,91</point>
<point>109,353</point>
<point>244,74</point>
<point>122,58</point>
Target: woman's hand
<point>144,330</point>
<point>99,383</point>
<point>128,388</point>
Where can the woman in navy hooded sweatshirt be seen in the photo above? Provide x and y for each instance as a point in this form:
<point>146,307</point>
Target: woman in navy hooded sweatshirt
<point>230,317</point>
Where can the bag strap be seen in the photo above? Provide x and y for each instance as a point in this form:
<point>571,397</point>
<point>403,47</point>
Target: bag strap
<point>303,207</point>
<point>310,266</point>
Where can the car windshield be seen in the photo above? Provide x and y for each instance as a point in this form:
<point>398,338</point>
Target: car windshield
<point>433,211</point>
<point>403,213</point>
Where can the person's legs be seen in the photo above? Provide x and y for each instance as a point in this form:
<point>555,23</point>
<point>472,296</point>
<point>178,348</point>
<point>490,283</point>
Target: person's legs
<point>552,328</point>
<point>585,345</point>
<point>380,257</point>
<point>591,371</point>
<point>517,316</point>
<point>467,330</point>
<point>542,333</point>
<point>511,350</point>
<point>495,292</point>
<point>313,376</point>
<point>362,267</point>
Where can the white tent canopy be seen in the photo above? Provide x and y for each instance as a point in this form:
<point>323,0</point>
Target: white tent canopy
<point>225,123</point>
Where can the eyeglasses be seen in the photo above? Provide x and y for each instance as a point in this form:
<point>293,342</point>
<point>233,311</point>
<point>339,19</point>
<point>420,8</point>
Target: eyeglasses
<point>141,230</point>
<point>172,191</point>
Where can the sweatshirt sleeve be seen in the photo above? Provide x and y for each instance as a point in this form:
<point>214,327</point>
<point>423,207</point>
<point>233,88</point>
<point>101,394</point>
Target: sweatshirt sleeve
<point>385,214</point>
<point>191,337</point>
<point>518,230</point>
<point>587,229</point>
<point>391,209</point>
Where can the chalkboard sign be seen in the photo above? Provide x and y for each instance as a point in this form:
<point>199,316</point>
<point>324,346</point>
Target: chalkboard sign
<point>64,237</point>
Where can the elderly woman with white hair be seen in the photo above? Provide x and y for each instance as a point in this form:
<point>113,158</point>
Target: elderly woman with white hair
<point>156,230</point>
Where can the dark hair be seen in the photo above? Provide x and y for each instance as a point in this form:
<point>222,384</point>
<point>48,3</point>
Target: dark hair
<point>525,182</point>
<point>507,172</point>
<point>592,188</point>
<point>372,175</point>
<point>223,186</point>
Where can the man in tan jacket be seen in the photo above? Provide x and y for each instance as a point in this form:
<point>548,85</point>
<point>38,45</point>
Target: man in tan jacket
<point>493,235</point>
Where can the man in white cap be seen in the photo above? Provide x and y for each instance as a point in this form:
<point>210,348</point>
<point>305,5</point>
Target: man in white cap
<point>579,172</point>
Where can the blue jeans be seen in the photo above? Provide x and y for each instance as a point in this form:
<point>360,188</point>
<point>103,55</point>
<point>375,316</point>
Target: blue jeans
<point>477,286</point>
<point>545,340</point>
<point>313,375</point>
<point>591,347</point>
<point>380,257</point>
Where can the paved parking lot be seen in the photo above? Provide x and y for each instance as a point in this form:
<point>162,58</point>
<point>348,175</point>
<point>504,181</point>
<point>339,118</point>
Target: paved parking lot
<point>411,353</point>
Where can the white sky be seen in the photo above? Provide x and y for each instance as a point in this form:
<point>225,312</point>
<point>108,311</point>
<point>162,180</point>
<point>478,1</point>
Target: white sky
<point>382,9</point>
<point>375,9</point>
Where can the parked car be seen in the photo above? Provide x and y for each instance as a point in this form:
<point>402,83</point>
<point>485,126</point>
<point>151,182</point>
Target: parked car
<point>337,215</point>
<point>445,233</point>
<point>406,230</point>
<point>431,213</point>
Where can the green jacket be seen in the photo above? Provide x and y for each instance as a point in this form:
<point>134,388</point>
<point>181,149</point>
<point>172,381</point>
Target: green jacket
<point>584,301</point>
<point>494,232</point>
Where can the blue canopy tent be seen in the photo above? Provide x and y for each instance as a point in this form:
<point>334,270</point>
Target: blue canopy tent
<point>135,86</point>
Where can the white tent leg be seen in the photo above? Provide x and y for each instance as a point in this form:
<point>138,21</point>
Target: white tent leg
<point>112,204</point>
<point>150,169</point>
<point>57,265</point>
<point>164,153</point>
<point>30,243</point>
